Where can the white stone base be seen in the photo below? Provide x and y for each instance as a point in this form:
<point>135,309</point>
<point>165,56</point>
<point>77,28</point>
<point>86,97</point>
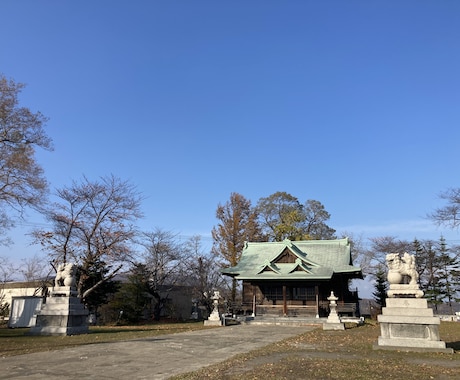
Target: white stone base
<point>333,318</point>
<point>214,319</point>
<point>211,322</point>
<point>404,290</point>
<point>63,291</point>
<point>409,342</point>
<point>61,315</point>
<point>408,324</point>
<point>333,326</point>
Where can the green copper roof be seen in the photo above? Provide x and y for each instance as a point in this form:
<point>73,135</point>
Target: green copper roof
<point>308,259</point>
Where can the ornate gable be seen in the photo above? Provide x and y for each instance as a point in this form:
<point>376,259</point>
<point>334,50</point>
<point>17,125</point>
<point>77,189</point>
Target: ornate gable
<point>269,267</point>
<point>286,257</point>
<point>300,266</point>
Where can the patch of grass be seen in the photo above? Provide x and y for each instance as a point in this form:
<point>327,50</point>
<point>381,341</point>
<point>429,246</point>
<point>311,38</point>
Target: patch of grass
<point>348,354</point>
<point>17,342</point>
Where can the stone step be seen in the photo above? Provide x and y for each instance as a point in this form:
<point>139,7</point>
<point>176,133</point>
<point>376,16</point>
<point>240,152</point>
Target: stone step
<point>413,319</point>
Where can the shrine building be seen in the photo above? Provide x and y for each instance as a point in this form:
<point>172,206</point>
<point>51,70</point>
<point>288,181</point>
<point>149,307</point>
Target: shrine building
<point>294,278</point>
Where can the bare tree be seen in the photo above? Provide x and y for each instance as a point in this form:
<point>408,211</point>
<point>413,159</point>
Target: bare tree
<point>381,246</point>
<point>161,256</point>
<point>359,254</point>
<point>315,221</point>
<point>201,272</point>
<point>36,269</point>
<point>22,183</point>
<point>449,215</point>
<point>93,222</point>
<point>6,271</point>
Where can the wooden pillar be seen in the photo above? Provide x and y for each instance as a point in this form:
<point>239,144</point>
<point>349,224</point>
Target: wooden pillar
<point>285,310</point>
<point>317,300</point>
<point>342,286</point>
<point>253,300</point>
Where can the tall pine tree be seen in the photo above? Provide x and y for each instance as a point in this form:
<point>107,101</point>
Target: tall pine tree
<point>381,287</point>
<point>448,264</point>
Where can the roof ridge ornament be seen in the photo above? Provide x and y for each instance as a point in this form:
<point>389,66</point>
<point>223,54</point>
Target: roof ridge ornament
<point>287,242</point>
<point>266,263</point>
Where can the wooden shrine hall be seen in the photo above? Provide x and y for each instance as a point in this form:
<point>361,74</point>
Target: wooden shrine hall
<point>294,278</point>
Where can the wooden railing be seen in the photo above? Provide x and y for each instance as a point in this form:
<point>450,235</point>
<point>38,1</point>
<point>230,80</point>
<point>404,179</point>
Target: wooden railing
<point>294,309</point>
<point>347,308</point>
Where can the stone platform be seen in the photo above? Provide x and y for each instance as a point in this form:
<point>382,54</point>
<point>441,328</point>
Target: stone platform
<point>61,314</point>
<point>408,324</point>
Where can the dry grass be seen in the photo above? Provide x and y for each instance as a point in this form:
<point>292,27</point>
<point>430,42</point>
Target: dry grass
<point>345,354</point>
<point>316,354</point>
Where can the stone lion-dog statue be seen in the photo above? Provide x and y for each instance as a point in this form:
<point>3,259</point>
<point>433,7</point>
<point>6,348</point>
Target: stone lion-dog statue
<point>400,266</point>
<point>65,275</point>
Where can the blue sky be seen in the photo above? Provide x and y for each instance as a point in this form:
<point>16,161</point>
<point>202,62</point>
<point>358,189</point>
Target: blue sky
<point>352,103</point>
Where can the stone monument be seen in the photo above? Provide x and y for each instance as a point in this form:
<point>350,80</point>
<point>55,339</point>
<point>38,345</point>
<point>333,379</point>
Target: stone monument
<point>406,323</point>
<point>62,313</point>
<point>214,318</point>
<point>333,320</point>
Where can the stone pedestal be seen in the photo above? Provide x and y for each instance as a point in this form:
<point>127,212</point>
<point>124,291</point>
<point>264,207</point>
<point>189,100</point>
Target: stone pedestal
<point>61,314</point>
<point>408,324</point>
<point>333,320</point>
<point>404,291</point>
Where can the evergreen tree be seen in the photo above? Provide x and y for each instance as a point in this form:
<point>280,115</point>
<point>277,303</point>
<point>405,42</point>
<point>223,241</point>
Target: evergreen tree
<point>448,264</point>
<point>430,277</point>
<point>381,287</point>
<point>438,268</point>
<point>132,302</point>
<point>420,258</point>
<point>95,274</point>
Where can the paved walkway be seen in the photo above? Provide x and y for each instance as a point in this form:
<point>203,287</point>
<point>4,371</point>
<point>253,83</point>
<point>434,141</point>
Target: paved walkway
<point>158,357</point>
